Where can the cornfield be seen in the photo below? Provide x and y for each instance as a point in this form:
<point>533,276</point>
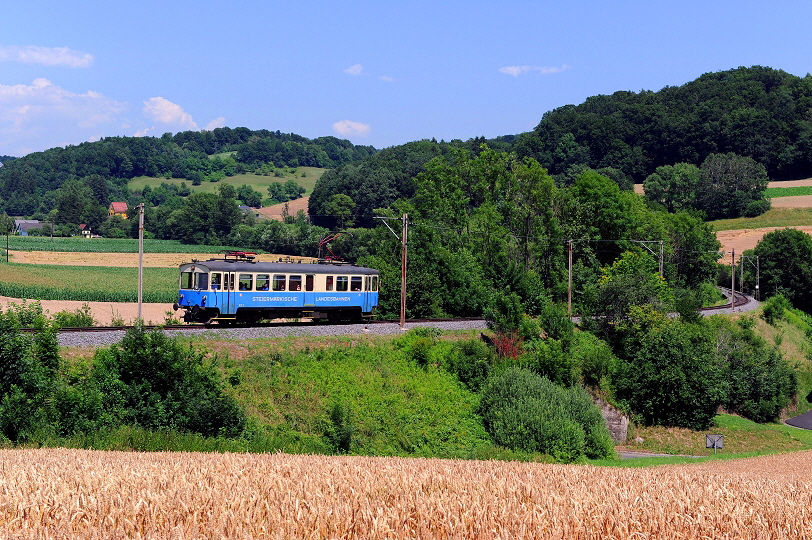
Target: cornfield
<point>62,493</point>
<point>87,283</point>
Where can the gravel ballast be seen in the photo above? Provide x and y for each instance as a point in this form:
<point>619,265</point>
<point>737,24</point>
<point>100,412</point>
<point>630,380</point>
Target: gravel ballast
<point>99,339</point>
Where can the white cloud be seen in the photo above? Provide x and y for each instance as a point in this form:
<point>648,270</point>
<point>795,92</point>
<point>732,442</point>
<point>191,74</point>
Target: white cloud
<point>46,56</point>
<point>164,111</point>
<point>521,70</point>
<point>356,69</point>
<point>43,115</point>
<point>349,128</point>
<point>218,122</point>
<point>386,78</point>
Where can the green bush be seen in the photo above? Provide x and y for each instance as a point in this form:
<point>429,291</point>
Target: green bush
<point>523,411</point>
<point>80,317</point>
<point>760,381</point>
<point>28,367</point>
<point>595,359</point>
<point>775,308</point>
<point>672,376</point>
<point>471,362</point>
<point>341,429</point>
<point>152,381</point>
<point>418,343</point>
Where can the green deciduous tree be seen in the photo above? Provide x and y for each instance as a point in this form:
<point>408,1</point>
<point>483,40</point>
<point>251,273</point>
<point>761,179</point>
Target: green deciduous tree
<point>731,186</point>
<point>672,377</point>
<point>673,186</point>
<point>785,257</point>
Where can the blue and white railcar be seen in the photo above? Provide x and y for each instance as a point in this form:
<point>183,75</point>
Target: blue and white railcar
<point>245,290</point>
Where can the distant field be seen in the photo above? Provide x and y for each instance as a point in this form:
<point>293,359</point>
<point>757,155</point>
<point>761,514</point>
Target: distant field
<point>258,182</point>
<point>773,192</point>
<point>104,245</point>
<point>776,217</point>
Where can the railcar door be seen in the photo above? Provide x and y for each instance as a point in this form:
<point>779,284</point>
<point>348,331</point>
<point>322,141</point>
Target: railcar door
<point>229,296</point>
<point>309,295</point>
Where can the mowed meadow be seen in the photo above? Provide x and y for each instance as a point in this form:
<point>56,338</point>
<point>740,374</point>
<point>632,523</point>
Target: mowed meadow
<point>61,493</point>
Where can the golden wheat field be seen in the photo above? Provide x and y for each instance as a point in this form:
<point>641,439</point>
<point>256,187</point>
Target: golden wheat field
<point>59,493</point>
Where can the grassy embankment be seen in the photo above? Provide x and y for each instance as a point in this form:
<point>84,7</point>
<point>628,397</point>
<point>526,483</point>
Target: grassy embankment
<point>291,386</point>
<point>257,182</point>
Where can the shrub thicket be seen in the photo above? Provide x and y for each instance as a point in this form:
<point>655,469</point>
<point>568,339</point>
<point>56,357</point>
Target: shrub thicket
<point>671,375</point>
<point>28,365</point>
<point>471,361</point>
<point>152,381</point>
<point>524,411</point>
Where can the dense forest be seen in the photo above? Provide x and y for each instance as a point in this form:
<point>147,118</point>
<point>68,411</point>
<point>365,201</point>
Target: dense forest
<point>759,112</point>
<point>28,184</point>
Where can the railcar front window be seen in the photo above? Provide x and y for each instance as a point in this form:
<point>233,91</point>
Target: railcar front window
<point>374,283</point>
<point>329,286</point>
<point>342,283</point>
<point>201,281</point>
<point>355,283</point>
<point>246,282</point>
<point>186,280</point>
<point>279,282</point>
<point>263,280</point>
<point>216,283</point>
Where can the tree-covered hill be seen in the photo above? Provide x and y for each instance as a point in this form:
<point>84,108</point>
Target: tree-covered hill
<point>759,112</point>
<point>25,182</point>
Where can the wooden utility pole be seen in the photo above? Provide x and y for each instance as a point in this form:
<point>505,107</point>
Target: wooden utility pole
<point>140,259</point>
<point>404,243</point>
<point>733,280</point>
<point>569,279</point>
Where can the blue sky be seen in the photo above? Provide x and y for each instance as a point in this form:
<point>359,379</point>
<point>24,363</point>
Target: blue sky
<point>377,73</point>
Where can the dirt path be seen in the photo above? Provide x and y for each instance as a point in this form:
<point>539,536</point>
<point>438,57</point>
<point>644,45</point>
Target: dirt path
<point>104,312</point>
<point>126,260</point>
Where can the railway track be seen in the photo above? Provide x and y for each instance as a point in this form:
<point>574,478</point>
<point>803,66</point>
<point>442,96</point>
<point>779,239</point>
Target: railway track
<point>739,300</point>
<point>285,324</point>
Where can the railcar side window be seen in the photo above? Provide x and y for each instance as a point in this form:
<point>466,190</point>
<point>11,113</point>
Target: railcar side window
<point>329,286</point>
<point>216,284</point>
<point>201,281</point>
<point>295,283</point>
<point>374,283</point>
<point>355,283</point>
<point>309,279</point>
<point>279,282</point>
<point>185,280</point>
<point>263,280</point>
<point>246,282</point>
<point>342,283</point>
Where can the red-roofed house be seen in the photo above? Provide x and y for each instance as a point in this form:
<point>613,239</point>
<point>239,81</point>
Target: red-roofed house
<point>118,209</point>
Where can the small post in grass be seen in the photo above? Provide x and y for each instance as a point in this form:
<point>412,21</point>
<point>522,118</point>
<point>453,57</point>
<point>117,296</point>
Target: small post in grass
<point>714,441</point>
